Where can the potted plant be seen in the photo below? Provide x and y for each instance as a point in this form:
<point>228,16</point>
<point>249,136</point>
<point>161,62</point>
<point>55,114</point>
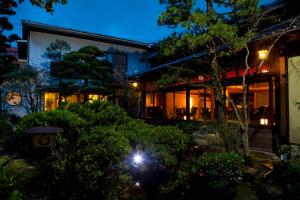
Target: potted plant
<point>285,152</point>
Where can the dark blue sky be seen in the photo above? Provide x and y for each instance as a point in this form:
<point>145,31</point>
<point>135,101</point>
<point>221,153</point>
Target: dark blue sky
<point>131,19</point>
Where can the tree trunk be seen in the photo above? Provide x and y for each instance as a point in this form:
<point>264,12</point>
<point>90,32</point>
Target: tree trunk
<point>0,100</point>
<point>86,94</point>
<point>60,91</point>
<point>245,128</point>
<point>216,83</point>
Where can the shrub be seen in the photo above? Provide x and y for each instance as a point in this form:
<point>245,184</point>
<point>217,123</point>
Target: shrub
<point>294,177</point>
<point>67,120</point>
<point>7,122</point>
<point>99,113</point>
<point>12,178</point>
<point>99,163</point>
<point>6,130</point>
<point>94,162</point>
<point>70,122</point>
<point>221,169</point>
<point>164,142</point>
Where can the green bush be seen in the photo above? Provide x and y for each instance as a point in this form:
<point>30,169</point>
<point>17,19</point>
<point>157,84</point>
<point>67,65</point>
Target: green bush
<point>164,142</point>
<point>294,177</point>
<point>67,120</point>
<point>6,131</point>
<point>12,178</point>
<point>221,169</point>
<point>7,122</point>
<point>99,163</point>
<point>99,113</point>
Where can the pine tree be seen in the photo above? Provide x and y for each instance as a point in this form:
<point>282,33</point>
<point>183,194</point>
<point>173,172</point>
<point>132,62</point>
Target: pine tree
<point>212,28</point>
<point>218,27</point>
<point>7,67</point>
<point>86,64</point>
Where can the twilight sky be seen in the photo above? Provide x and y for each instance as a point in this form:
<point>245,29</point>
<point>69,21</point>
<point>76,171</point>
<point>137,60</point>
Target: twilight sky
<point>130,19</point>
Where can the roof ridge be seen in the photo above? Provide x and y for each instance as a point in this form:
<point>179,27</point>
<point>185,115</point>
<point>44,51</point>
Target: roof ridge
<point>40,25</point>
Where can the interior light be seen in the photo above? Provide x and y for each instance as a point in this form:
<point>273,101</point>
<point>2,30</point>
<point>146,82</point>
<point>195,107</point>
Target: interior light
<point>264,121</point>
<point>262,54</point>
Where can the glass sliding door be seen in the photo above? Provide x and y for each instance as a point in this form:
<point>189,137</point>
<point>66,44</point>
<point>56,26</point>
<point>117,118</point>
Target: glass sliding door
<point>200,104</point>
<point>260,102</point>
<point>176,105</point>
<point>154,105</point>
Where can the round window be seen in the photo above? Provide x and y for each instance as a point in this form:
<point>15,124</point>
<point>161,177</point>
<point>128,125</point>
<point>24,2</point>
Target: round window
<point>13,98</point>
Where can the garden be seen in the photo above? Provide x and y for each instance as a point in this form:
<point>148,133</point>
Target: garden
<point>103,153</point>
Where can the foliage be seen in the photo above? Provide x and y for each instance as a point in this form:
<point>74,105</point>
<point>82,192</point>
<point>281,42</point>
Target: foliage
<point>294,175</point>
<point>69,121</point>
<point>95,154</point>
<point>29,82</point>
<point>8,68</point>
<point>5,131</point>
<point>165,143</point>
<point>12,178</point>
<point>285,149</point>
<point>221,169</point>
<point>215,28</point>
<point>100,162</point>
<point>85,64</point>
<point>46,4</point>
<point>56,50</point>
<point>99,113</point>
<point>227,134</point>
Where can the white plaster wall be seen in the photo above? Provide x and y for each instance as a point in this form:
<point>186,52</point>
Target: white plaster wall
<point>294,96</point>
<point>39,41</point>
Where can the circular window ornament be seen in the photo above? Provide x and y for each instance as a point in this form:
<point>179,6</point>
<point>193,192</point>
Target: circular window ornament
<point>13,98</point>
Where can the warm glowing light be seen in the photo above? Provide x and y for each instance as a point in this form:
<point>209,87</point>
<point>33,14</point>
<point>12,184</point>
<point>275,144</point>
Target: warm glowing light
<point>201,78</point>
<point>262,54</point>
<point>135,84</point>
<point>138,158</point>
<point>263,121</point>
<point>191,102</point>
<point>264,69</point>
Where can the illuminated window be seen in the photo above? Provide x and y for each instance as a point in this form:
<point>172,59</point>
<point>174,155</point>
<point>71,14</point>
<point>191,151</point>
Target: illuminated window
<point>51,100</point>
<point>260,103</point>
<point>95,97</point>
<point>13,98</point>
<point>74,98</point>
<point>154,105</point>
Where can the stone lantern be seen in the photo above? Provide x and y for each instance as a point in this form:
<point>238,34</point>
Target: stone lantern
<point>44,136</point>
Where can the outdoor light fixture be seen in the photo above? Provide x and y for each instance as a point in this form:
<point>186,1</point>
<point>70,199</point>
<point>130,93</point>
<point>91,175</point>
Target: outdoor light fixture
<point>263,121</point>
<point>135,84</point>
<point>137,184</point>
<point>262,54</point>
<point>138,159</point>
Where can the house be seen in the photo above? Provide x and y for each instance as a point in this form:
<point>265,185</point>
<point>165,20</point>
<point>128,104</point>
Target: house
<point>272,92</point>
<point>124,55</point>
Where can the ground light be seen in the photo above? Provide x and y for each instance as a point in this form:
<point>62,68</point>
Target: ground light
<point>138,159</point>
<point>137,184</point>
